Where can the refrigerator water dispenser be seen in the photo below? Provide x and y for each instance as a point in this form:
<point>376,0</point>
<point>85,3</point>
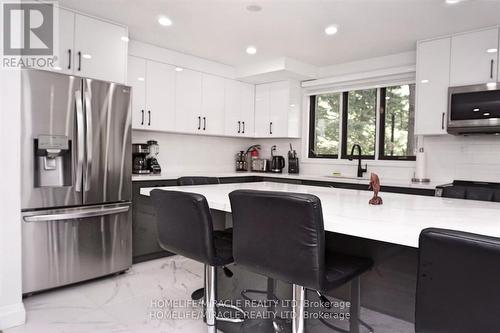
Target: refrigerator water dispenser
<point>52,161</point>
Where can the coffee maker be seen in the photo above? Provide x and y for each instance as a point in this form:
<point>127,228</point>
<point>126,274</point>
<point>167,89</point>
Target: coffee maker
<point>140,152</point>
<point>152,157</point>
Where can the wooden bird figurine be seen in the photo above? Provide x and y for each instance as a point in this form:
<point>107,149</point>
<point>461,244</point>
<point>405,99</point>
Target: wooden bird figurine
<point>375,186</point>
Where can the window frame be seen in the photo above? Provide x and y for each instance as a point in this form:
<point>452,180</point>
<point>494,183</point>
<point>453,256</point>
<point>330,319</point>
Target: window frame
<point>379,120</point>
<point>345,115</point>
<point>382,125</point>
<point>312,130</point>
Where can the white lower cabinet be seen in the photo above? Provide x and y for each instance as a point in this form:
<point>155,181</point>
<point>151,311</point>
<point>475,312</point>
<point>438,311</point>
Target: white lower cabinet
<point>277,108</point>
<point>433,76</point>
<point>239,108</point>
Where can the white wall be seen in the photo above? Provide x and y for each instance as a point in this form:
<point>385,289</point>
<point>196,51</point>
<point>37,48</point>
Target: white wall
<point>11,307</point>
<point>194,153</point>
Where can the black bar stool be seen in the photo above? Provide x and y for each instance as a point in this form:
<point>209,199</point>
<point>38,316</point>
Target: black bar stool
<point>197,180</point>
<point>185,227</point>
<point>458,287</point>
<point>281,235</point>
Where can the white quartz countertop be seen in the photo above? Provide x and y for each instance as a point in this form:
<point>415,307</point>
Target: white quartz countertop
<point>399,220</point>
<point>323,178</point>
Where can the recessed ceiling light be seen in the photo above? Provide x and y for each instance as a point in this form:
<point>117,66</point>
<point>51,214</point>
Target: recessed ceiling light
<point>251,50</point>
<point>424,81</point>
<point>86,56</point>
<point>486,114</point>
<point>125,38</point>
<point>179,69</point>
<point>331,30</point>
<point>165,21</point>
<point>140,79</point>
<point>492,50</point>
<point>254,8</point>
<point>452,2</point>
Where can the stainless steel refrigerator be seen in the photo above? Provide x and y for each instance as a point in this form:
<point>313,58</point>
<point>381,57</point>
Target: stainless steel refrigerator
<point>76,179</point>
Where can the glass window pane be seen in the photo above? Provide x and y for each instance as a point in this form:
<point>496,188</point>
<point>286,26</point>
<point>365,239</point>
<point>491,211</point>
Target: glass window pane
<point>361,118</point>
<point>326,128</point>
<point>399,121</point>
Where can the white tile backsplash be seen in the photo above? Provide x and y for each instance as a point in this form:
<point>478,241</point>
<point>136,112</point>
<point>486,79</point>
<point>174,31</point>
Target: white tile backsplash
<point>467,158</point>
<point>193,153</point>
<point>448,157</point>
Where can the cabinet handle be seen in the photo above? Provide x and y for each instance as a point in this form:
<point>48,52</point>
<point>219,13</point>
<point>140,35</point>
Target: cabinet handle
<point>142,117</point>
<point>243,127</point>
<point>149,117</point>
<point>199,123</point>
<point>271,127</point>
<point>491,68</point>
<point>442,121</point>
<point>69,58</point>
<point>239,126</point>
<point>79,61</point>
<point>204,123</point>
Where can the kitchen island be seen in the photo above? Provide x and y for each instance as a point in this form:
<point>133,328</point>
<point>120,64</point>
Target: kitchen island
<point>388,234</point>
<point>398,221</point>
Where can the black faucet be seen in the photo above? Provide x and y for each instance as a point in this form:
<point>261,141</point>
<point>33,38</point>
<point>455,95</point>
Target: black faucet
<point>361,170</point>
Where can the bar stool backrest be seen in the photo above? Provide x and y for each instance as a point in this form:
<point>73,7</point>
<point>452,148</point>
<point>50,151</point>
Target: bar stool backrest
<point>458,286</point>
<point>184,224</point>
<point>280,235</point>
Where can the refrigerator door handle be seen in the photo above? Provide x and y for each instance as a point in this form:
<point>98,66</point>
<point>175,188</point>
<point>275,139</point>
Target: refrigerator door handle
<point>89,136</point>
<point>80,151</point>
<point>71,214</point>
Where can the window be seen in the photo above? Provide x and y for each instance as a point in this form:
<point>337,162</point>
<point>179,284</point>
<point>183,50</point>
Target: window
<point>324,136</point>
<point>355,114</point>
<point>397,122</point>
<point>359,126</point>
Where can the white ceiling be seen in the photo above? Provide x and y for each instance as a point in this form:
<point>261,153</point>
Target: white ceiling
<point>220,30</point>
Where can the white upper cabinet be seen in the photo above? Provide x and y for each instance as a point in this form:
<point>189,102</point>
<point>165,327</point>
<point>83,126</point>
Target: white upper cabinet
<point>100,49</point>
<point>239,108</point>
<point>433,73</point>
<point>262,107</point>
<point>153,93</point>
<point>137,80</point>
<point>160,96</point>
<point>212,106</point>
<point>498,56</point>
<point>247,96</point>
<point>64,43</point>
<point>277,108</point>
<point>473,59</point>
<point>279,105</point>
<point>188,97</point>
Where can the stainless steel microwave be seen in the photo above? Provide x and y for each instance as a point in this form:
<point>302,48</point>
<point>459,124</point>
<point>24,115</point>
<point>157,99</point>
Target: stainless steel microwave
<point>474,109</point>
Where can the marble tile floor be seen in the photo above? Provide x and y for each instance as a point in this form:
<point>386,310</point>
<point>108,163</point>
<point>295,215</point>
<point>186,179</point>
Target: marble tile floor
<point>128,303</point>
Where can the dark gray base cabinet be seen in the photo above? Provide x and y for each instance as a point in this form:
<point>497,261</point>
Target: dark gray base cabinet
<point>144,233</point>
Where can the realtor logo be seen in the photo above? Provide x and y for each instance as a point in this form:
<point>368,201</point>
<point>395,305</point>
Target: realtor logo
<point>28,29</point>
